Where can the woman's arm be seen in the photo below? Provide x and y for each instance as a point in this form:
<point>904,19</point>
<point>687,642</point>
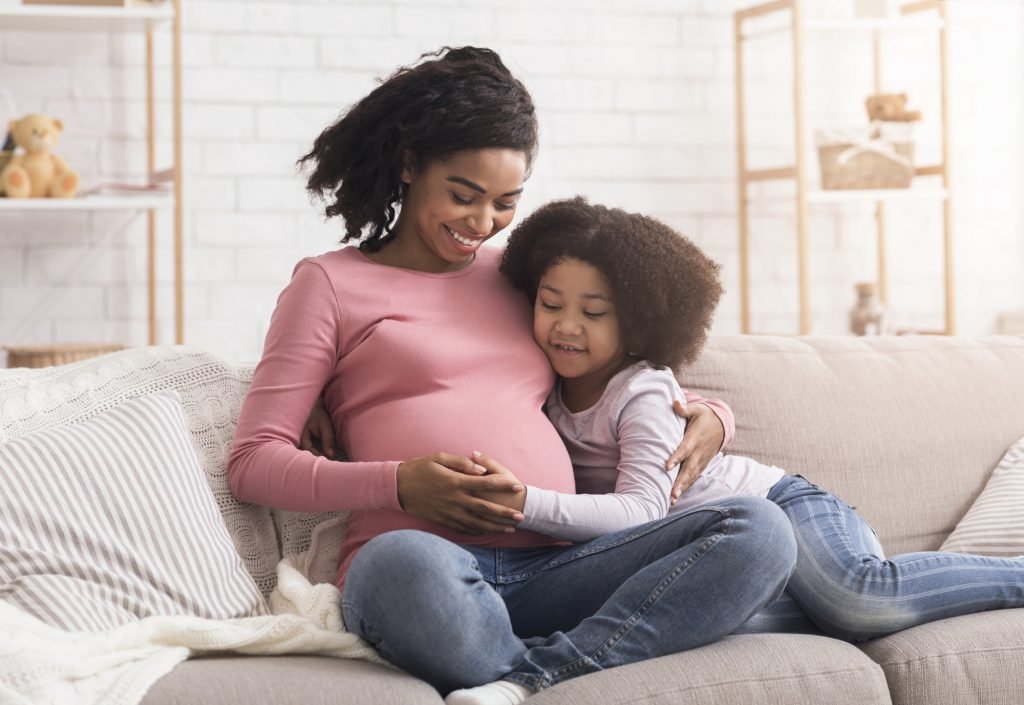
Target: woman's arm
<point>266,467</point>
<point>722,413</point>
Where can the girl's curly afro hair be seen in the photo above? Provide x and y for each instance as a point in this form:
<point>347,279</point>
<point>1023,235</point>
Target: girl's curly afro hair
<point>453,100</point>
<point>665,288</point>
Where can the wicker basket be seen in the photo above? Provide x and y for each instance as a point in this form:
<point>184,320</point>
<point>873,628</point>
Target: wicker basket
<point>878,156</point>
<point>50,355</point>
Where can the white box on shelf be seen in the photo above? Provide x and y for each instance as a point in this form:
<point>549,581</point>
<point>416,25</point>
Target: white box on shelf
<point>97,3</point>
<point>877,8</point>
<point>1011,323</point>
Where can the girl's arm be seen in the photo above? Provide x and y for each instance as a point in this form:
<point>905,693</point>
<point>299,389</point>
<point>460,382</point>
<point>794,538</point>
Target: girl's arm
<point>638,487</point>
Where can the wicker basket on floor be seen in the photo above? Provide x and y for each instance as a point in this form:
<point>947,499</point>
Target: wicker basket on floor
<point>50,355</point>
<point>878,156</point>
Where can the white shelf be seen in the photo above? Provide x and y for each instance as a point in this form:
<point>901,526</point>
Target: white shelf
<point>853,24</point>
<point>786,19</point>
<point>82,18</point>
<point>854,196</point>
<point>87,203</point>
<point>876,195</point>
<point>99,20</point>
<point>869,24</point>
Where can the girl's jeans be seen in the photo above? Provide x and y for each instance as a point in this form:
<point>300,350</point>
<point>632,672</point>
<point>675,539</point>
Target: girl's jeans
<point>460,616</point>
<point>844,585</point>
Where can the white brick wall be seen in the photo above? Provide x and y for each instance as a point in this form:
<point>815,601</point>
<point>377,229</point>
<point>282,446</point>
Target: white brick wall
<point>636,107</point>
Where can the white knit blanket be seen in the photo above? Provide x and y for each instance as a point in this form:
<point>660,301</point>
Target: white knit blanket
<point>40,665</point>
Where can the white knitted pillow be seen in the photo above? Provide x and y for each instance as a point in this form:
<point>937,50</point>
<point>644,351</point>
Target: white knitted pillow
<point>211,390</point>
<point>994,525</point>
<point>110,520</point>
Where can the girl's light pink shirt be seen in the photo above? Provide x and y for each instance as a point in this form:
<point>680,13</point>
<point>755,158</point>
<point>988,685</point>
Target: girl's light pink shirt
<point>410,363</point>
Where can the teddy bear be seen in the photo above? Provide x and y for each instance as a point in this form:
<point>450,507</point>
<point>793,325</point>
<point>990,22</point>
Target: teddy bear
<point>891,107</point>
<point>37,172</point>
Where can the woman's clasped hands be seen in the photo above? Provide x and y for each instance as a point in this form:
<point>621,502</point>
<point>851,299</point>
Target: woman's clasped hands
<point>450,490</point>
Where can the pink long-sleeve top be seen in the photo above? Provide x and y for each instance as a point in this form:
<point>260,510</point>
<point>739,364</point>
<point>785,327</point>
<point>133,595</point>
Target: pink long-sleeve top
<point>410,363</point>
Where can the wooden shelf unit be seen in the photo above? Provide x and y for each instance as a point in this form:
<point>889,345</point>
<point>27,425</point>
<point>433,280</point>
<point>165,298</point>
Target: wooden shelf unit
<point>87,203</point>
<point>83,18</point>
<point>917,16</point>
<point>79,18</point>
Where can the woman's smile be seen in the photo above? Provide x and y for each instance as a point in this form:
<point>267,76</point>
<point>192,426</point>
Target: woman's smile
<point>464,240</point>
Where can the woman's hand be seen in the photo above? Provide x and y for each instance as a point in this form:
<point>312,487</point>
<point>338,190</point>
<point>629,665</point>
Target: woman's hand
<point>443,488</point>
<point>513,500</point>
<point>318,433</point>
<point>701,442</point>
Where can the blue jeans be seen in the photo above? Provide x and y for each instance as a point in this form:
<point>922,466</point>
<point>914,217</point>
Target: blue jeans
<point>460,616</point>
<point>845,587</point>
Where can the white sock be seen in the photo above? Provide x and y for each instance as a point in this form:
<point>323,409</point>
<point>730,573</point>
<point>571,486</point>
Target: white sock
<point>496,693</point>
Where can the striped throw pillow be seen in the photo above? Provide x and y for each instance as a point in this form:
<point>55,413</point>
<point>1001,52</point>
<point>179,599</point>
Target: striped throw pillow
<point>994,525</point>
<point>110,520</point>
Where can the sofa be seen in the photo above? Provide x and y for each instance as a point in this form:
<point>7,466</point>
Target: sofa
<point>907,429</point>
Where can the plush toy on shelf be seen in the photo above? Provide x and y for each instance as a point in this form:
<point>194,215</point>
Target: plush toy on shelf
<point>34,171</point>
<point>890,107</point>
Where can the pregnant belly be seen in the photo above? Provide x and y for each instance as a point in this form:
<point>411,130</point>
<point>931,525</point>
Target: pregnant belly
<point>529,446</point>
<point>525,441</point>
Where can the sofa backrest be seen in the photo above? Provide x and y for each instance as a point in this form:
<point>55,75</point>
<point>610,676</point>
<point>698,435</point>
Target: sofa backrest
<point>906,429</point>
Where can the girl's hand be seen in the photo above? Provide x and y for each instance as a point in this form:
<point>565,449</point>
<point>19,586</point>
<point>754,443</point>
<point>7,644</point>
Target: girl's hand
<point>443,488</point>
<point>513,500</point>
<point>701,442</point>
<point>318,433</point>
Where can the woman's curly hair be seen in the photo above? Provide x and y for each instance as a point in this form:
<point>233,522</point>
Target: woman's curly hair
<point>665,288</point>
<point>452,100</point>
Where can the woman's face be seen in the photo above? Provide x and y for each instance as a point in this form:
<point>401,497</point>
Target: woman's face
<point>453,206</point>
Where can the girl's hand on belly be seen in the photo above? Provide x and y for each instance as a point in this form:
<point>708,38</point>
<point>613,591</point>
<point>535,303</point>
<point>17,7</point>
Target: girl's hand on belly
<point>513,500</point>
<point>445,488</point>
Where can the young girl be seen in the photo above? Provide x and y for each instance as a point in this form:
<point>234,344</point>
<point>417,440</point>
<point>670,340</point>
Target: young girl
<point>417,344</point>
<point>620,300</point>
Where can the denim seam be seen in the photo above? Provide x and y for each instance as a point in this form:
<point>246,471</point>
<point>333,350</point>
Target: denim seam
<point>550,678</point>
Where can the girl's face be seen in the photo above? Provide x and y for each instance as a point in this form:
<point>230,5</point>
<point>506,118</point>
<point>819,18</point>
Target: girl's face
<point>453,206</point>
<point>576,324</point>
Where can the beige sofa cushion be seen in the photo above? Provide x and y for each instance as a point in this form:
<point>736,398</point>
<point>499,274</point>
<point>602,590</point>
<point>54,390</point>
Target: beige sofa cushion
<point>782,669</point>
<point>907,429</point>
<point>284,680</point>
<point>977,659</point>
<point>767,669</point>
